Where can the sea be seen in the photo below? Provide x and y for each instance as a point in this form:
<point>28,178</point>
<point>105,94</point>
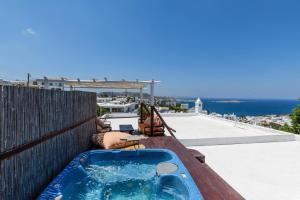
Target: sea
<point>245,107</point>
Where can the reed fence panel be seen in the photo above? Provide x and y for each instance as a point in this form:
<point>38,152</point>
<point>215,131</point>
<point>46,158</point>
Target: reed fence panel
<point>29,114</point>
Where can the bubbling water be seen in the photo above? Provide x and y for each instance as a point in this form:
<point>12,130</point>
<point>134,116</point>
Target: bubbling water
<point>112,180</point>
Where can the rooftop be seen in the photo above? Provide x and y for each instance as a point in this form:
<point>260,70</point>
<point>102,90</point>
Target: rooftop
<point>258,170</point>
<point>195,130</point>
<point>114,105</point>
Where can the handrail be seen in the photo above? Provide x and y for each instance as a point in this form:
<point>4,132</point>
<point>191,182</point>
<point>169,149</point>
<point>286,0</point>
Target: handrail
<point>141,111</point>
<point>151,112</point>
<point>163,121</point>
<point>144,105</point>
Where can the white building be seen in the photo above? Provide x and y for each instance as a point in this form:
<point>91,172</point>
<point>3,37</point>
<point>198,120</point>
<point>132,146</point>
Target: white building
<point>230,116</point>
<point>49,83</point>
<point>13,83</point>
<point>104,99</point>
<point>116,104</point>
<point>4,82</point>
<point>165,101</point>
<point>116,107</point>
<point>184,106</point>
<point>198,105</point>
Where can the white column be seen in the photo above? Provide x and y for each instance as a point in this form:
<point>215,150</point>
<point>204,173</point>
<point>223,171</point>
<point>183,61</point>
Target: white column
<point>152,92</point>
<point>141,94</point>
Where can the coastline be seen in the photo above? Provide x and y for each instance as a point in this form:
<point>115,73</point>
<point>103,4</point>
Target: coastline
<point>245,107</point>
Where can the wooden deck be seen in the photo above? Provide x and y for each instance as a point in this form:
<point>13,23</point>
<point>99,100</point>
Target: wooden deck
<point>211,185</point>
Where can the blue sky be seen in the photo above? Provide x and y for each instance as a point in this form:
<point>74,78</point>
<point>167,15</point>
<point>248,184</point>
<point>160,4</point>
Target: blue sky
<point>206,48</point>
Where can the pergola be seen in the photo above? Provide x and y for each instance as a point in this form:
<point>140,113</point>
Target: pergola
<point>106,84</point>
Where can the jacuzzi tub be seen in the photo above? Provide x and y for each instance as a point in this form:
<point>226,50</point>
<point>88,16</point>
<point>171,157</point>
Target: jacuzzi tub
<point>122,174</point>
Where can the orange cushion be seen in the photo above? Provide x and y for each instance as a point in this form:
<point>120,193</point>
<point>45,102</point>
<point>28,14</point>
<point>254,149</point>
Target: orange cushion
<point>156,121</point>
<point>147,121</point>
<point>112,140</point>
<point>97,139</point>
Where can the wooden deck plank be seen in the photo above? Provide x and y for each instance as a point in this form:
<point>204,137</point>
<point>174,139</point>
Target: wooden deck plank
<point>211,185</point>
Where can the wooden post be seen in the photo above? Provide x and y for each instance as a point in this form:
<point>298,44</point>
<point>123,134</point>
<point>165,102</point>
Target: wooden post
<point>151,120</point>
<point>141,113</point>
<point>28,76</point>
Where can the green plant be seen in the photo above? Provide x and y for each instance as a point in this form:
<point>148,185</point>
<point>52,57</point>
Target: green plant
<point>272,125</point>
<point>286,128</point>
<point>295,116</point>
<point>177,108</point>
<point>101,111</point>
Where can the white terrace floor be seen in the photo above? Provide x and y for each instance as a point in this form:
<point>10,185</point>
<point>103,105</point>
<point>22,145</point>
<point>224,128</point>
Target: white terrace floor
<point>259,171</point>
<point>260,163</point>
<point>198,130</point>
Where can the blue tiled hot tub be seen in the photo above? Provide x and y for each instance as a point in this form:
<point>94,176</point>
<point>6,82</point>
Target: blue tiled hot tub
<point>119,174</point>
